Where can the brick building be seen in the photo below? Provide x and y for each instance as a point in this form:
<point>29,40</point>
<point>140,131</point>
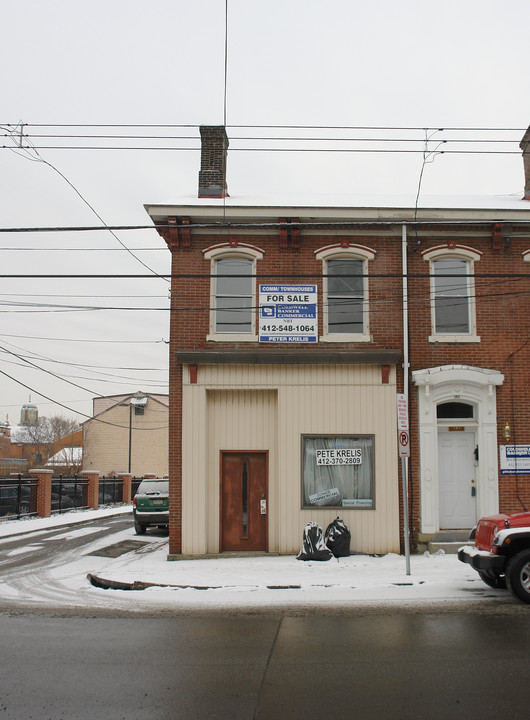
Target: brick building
<point>127,433</point>
<point>293,329</point>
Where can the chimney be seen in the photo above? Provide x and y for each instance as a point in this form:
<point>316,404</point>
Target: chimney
<point>525,147</point>
<point>212,175</point>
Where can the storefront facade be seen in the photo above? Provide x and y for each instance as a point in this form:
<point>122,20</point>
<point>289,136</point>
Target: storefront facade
<point>293,330</point>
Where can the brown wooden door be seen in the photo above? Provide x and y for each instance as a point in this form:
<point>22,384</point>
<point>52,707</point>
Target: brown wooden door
<point>244,501</point>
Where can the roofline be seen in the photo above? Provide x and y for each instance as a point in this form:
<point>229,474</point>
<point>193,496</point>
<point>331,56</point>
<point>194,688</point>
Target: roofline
<point>393,215</point>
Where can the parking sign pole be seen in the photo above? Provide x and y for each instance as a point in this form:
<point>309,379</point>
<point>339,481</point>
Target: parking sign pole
<point>403,402</point>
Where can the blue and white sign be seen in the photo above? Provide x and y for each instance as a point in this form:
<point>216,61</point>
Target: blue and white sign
<point>288,313</point>
<point>515,459</point>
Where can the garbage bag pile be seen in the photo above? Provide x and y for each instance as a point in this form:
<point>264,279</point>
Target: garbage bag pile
<point>319,546</point>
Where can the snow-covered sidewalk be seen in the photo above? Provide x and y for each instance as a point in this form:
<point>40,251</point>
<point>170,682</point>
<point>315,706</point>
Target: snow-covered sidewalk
<point>253,582</point>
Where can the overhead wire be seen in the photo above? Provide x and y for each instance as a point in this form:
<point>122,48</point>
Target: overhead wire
<point>39,158</point>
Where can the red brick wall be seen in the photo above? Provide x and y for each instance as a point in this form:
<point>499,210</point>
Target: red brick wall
<point>502,312</point>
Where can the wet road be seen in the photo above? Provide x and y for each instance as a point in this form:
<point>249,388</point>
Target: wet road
<point>259,668</point>
<point>36,568</point>
<point>67,654</point>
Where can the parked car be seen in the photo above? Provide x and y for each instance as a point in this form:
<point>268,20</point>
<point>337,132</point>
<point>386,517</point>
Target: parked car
<point>151,505</point>
<point>501,554</point>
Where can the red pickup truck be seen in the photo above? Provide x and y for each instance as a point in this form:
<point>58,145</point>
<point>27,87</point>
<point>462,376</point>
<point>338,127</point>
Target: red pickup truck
<point>501,554</point>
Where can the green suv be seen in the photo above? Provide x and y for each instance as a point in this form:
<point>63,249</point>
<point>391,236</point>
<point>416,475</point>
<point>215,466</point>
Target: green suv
<point>151,505</point>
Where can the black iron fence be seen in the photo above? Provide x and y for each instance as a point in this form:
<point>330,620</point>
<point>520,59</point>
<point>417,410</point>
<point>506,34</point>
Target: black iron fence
<point>18,496</point>
<point>135,484</point>
<point>110,490</point>
<point>69,493</point>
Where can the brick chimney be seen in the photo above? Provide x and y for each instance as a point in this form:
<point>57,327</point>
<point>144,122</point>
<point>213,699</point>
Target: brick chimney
<point>212,175</point>
<point>525,147</point>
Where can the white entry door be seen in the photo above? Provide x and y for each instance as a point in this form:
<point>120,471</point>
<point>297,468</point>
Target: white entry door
<point>456,480</point>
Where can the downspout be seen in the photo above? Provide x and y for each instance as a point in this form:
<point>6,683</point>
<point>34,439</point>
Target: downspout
<point>405,460</point>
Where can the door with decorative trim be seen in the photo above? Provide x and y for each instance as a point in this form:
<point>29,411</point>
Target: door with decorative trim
<point>244,501</point>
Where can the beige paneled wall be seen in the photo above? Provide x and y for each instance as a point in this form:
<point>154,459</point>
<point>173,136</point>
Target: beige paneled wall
<point>269,407</point>
<point>221,420</point>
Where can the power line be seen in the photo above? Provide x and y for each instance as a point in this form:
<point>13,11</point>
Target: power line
<point>266,150</point>
<point>78,412</point>
<point>272,126</point>
<point>84,340</point>
<point>301,224</point>
<point>39,158</point>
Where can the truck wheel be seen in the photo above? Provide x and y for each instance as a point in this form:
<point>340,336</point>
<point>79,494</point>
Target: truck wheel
<point>140,529</point>
<point>518,575</point>
<point>494,580</point>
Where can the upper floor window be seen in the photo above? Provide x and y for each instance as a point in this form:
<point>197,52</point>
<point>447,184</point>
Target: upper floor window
<point>345,297</point>
<point>233,295</point>
<point>345,303</point>
<point>233,292</point>
<point>452,293</point>
<point>451,296</point>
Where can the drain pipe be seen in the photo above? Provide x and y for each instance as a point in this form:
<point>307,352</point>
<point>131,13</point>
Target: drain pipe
<point>405,455</point>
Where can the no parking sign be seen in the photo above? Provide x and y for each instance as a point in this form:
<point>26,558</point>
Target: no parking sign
<point>403,425</point>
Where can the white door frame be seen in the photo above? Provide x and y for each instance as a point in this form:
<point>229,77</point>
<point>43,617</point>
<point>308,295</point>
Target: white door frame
<point>457,383</point>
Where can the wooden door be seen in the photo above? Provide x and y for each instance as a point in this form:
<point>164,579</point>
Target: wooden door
<point>244,501</point>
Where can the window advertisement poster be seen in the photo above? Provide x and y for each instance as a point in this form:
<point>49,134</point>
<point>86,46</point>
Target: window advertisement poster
<point>338,471</point>
<point>288,313</point>
<point>515,459</point>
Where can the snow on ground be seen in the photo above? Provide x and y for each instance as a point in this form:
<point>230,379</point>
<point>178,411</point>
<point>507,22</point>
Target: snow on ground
<point>236,582</point>
<point>9,528</point>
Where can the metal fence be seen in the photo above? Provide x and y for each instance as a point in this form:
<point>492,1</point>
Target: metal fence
<point>18,496</point>
<point>69,493</point>
<point>110,490</point>
<point>135,484</point>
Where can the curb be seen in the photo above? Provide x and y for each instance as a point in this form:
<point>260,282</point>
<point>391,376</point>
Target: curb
<point>105,584</point>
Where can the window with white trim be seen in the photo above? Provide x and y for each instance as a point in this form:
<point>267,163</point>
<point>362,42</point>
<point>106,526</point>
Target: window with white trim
<point>233,295</point>
<point>345,303</point>
<point>233,292</point>
<point>452,294</point>
<point>450,288</point>
<point>345,296</point>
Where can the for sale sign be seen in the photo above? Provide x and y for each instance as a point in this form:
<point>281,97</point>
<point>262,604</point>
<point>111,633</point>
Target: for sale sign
<point>288,313</point>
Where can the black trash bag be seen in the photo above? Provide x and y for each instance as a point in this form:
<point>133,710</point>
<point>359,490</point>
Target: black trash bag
<point>314,547</point>
<point>337,537</point>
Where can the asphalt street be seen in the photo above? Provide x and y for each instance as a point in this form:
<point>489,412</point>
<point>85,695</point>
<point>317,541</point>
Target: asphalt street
<point>69,655</point>
<point>310,668</point>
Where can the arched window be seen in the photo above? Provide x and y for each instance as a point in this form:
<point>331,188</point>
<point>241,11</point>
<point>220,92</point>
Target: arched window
<point>233,292</point>
<point>452,293</point>
<point>345,303</point>
<point>455,411</point>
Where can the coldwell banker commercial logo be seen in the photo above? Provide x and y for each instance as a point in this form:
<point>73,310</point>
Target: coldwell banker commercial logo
<point>288,313</point>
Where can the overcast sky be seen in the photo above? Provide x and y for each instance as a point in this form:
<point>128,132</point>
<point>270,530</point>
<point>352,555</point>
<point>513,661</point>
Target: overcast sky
<point>344,63</point>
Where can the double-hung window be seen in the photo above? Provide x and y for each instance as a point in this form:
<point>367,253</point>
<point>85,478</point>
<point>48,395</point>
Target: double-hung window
<point>233,292</point>
<point>452,294</point>
<point>345,270</point>
<point>345,295</point>
<point>233,295</point>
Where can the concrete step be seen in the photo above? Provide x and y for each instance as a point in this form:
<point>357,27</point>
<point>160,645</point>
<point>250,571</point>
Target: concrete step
<point>449,547</point>
<point>452,535</point>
